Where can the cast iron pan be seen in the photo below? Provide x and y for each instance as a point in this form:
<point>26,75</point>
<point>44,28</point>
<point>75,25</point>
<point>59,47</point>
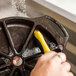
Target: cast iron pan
<point>16,35</point>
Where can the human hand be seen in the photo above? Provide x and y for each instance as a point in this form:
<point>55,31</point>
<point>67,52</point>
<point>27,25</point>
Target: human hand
<point>52,64</point>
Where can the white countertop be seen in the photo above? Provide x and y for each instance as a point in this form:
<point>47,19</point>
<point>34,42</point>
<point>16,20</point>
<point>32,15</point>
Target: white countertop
<point>66,8</point>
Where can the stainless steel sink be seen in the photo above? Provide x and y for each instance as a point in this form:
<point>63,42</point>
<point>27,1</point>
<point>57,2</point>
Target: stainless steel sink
<point>12,8</point>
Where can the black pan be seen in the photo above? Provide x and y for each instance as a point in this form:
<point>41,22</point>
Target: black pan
<point>16,35</point>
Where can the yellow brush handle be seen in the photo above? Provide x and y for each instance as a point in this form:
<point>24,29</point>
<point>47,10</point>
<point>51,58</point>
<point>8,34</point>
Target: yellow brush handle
<point>40,37</point>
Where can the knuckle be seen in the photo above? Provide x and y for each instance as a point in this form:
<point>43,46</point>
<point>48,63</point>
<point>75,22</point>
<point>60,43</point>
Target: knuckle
<point>51,62</point>
<point>41,59</point>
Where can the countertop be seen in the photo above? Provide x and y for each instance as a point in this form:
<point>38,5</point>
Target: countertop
<point>66,8</point>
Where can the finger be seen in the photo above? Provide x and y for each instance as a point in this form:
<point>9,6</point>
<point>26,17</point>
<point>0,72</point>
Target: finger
<point>66,66</point>
<point>59,58</point>
<point>70,74</point>
<point>45,58</point>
